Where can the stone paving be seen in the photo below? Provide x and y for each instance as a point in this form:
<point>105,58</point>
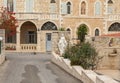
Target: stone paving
<point>30,68</point>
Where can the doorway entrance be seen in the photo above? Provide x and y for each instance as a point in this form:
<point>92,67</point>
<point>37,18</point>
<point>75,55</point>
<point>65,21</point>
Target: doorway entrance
<point>48,42</point>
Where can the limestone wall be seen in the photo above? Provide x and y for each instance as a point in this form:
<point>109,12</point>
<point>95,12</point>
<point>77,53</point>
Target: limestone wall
<point>105,49</point>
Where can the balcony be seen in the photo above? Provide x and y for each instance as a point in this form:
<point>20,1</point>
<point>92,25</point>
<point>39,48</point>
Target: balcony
<point>114,17</point>
<point>37,16</point>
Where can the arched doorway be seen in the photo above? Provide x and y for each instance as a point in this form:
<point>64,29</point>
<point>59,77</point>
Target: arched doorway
<point>48,27</point>
<point>69,31</point>
<point>114,27</point>
<point>28,33</point>
<point>97,32</point>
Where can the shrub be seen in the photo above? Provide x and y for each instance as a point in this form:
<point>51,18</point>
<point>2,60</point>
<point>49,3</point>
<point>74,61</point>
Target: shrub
<point>84,55</point>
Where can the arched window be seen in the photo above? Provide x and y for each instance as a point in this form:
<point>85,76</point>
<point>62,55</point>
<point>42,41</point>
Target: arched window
<point>68,8</point>
<point>49,26</point>
<point>97,8</point>
<point>114,27</point>
<point>110,7</point>
<point>52,1</point>
<point>53,6</point>
<point>68,29</point>
<point>29,6</point>
<point>110,2</point>
<point>97,32</point>
<point>83,8</point>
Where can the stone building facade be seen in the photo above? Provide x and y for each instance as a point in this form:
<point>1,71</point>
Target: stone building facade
<point>39,19</point>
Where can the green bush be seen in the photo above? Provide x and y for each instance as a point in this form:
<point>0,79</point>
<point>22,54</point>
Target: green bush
<point>84,55</point>
<point>70,51</point>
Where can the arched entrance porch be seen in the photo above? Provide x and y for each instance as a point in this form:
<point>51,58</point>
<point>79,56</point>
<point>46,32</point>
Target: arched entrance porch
<point>28,33</point>
<point>28,37</point>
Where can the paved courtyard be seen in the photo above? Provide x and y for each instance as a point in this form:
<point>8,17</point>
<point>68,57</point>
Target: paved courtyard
<point>30,68</point>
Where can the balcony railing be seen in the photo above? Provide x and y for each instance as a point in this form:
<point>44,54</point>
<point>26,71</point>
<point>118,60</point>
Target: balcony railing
<point>10,47</point>
<point>113,17</point>
<point>28,47</point>
<point>37,16</point>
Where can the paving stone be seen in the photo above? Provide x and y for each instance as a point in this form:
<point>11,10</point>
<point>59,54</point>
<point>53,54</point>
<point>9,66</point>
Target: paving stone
<point>31,68</point>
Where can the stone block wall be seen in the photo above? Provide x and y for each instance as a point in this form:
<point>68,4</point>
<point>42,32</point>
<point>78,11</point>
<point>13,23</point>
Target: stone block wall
<point>2,54</point>
<point>105,49</point>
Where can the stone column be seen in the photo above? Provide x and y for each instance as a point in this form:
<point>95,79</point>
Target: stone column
<point>18,41</point>
<point>38,41</point>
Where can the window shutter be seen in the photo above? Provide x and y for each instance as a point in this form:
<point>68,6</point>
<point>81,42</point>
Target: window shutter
<point>63,8</point>
<point>52,8</point>
<point>31,5</point>
<point>14,4</point>
<point>97,8</point>
<point>110,10</point>
<point>5,3</point>
<point>27,6</point>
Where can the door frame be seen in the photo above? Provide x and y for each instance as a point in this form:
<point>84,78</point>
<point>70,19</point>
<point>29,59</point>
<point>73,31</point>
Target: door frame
<point>48,42</point>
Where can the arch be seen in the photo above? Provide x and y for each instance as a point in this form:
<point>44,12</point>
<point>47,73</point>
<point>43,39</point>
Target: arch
<point>52,1</point>
<point>28,33</point>
<point>68,7</point>
<point>114,27</point>
<point>18,29</point>
<point>97,32</point>
<point>49,26</point>
<point>83,8</point>
<point>68,29</point>
<point>110,1</point>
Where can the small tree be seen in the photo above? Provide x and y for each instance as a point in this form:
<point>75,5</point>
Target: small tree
<point>81,32</point>
<point>88,56</point>
<point>8,21</point>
